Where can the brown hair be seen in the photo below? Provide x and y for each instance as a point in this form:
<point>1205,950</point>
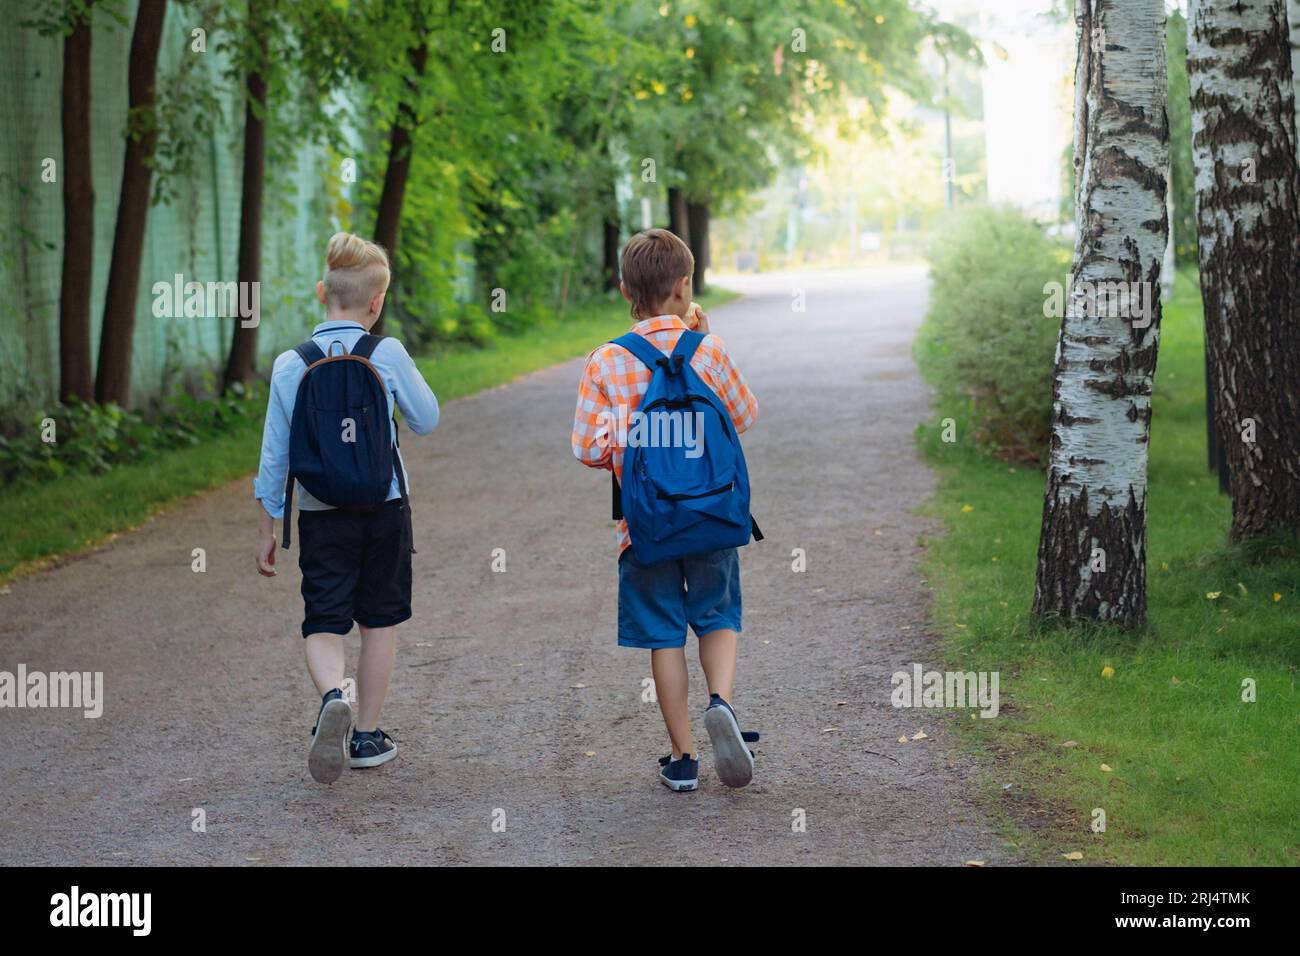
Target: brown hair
<point>356,271</point>
<point>652,263</point>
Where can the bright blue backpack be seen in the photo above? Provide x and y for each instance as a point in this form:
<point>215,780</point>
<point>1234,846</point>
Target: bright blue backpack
<point>340,446</point>
<point>677,505</point>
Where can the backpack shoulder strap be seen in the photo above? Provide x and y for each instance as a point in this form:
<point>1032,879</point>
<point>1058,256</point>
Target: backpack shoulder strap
<point>365,346</point>
<point>309,352</point>
<point>643,350</point>
<point>687,343</point>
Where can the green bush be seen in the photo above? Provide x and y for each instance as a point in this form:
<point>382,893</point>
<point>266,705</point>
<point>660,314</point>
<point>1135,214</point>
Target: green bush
<point>91,439</point>
<point>985,345</point>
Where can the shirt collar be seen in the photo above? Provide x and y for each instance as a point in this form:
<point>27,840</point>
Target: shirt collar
<point>658,324</point>
<point>338,325</point>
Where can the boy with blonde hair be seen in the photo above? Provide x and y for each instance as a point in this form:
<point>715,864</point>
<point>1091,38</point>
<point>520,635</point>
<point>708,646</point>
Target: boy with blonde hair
<point>330,434</point>
<point>678,564</point>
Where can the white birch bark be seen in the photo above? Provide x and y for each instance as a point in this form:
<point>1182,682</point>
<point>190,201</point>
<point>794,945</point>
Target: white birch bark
<point>1248,241</point>
<point>1092,552</point>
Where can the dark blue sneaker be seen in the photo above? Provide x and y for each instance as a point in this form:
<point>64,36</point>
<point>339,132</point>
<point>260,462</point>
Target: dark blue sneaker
<point>329,738</point>
<point>371,749</point>
<point>681,774</point>
<point>732,759</point>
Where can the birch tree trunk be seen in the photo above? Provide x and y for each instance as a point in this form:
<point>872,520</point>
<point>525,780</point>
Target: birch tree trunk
<point>1248,214</point>
<point>1293,18</point>
<point>1092,552</point>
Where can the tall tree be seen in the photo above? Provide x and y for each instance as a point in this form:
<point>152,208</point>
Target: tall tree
<point>1248,209</point>
<point>241,361</point>
<point>113,380</point>
<point>1092,550</point>
<point>388,217</point>
<point>1293,18</point>
<point>76,361</point>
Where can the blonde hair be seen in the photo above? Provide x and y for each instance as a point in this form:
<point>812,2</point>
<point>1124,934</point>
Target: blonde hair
<point>652,263</point>
<point>356,270</point>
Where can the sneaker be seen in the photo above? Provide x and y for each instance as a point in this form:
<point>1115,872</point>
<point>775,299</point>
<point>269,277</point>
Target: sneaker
<point>681,774</point>
<point>371,749</point>
<point>732,759</point>
<point>329,738</point>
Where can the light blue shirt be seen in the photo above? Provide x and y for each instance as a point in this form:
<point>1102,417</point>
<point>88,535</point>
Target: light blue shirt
<point>406,388</point>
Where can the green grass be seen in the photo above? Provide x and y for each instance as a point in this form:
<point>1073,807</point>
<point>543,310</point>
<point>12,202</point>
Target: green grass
<point>44,522</point>
<point>1198,777</point>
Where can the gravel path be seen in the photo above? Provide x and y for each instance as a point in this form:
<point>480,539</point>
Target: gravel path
<point>510,698</point>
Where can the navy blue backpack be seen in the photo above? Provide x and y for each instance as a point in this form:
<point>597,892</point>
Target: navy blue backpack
<point>678,504</point>
<point>340,446</point>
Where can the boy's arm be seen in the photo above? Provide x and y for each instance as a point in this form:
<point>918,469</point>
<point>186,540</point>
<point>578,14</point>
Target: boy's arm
<point>413,395</point>
<point>273,468</point>
<point>730,384</point>
<point>591,419</point>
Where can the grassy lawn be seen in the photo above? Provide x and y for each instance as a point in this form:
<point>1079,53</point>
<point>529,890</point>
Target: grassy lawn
<point>44,522</point>
<point>1197,776</point>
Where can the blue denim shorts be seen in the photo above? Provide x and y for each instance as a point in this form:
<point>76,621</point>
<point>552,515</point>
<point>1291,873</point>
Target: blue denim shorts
<point>657,601</point>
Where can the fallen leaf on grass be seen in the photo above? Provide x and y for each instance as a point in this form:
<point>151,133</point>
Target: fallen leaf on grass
<point>920,735</point>
<point>974,862</point>
<point>589,753</point>
<point>1105,768</point>
<point>902,740</point>
<point>1070,743</point>
<point>1108,671</point>
<point>1074,855</point>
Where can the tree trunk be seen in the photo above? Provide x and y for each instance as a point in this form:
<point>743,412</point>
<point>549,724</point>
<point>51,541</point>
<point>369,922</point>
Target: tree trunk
<point>399,166</point>
<point>1169,265</point>
<point>697,214</point>
<point>113,381</point>
<point>611,254</point>
<point>1248,211</point>
<point>1092,552</point>
<point>76,362</point>
<point>679,220</point>
<point>1293,17</point>
<point>242,361</point>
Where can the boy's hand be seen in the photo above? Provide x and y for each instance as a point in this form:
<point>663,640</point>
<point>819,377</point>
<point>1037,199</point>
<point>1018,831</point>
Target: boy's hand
<point>265,543</point>
<point>697,319</point>
<point>266,554</point>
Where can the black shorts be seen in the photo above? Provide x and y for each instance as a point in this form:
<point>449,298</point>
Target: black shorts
<point>356,566</point>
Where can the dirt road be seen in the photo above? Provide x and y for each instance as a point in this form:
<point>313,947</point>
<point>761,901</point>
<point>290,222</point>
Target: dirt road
<point>510,700</point>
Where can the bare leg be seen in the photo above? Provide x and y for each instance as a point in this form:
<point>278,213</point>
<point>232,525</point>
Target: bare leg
<point>325,661</point>
<point>669,668</point>
<point>374,668</point>
<point>718,658</point>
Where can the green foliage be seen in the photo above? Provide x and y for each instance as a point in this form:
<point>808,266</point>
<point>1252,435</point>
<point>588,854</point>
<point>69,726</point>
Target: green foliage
<point>985,346</point>
<point>91,439</point>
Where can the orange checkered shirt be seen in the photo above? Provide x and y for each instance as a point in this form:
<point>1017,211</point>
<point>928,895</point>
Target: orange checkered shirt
<point>614,378</point>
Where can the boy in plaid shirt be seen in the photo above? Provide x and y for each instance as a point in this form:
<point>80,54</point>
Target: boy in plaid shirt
<point>656,602</point>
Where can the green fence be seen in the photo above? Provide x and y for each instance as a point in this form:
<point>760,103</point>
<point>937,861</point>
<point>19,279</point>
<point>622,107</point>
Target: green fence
<point>195,235</point>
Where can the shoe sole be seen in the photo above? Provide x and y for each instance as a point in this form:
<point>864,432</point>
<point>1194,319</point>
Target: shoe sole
<point>679,786</point>
<point>731,757</point>
<point>360,763</point>
<point>328,750</point>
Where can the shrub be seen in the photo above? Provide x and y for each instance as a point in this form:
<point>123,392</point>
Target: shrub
<point>985,345</point>
<point>91,439</point>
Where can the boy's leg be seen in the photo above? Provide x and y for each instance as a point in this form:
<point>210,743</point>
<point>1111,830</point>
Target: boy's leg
<point>668,665</point>
<point>718,658</point>
<point>325,661</point>
<point>374,668</point>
